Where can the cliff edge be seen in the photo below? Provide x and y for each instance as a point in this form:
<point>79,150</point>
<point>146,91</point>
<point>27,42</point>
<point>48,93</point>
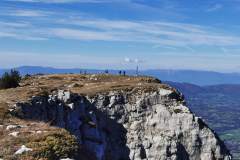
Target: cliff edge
<point>103,117</point>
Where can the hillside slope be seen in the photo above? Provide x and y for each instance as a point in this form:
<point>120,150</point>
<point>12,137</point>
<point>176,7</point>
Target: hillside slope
<point>102,117</point>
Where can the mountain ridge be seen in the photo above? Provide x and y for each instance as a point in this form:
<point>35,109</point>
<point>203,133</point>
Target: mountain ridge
<point>197,77</point>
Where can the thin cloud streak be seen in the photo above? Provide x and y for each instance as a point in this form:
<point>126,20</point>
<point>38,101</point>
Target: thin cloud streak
<point>28,13</point>
<point>67,33</point>
<point>14,24</point>
<point>167,33</point>
<point>20,31</point>
<point>151,32</point>
<point>215,8</point>
<point>66,1</point>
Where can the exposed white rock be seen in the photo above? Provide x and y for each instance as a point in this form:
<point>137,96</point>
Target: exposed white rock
<point>152,126</point>
<point>14,134</point>
<point>39,132</point>
<point>112,100</point>
<point>66,159</point>
<point>164,92</point>
<point>64,96</point>
<point>93,77</point>
<point>71,105</point>
<point>23,149</point>
<point>12,127</point>
<point>11,110</point>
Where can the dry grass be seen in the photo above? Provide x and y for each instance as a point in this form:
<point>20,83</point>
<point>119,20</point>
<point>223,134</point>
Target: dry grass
<point>76,83</point>
<point>3,112</point>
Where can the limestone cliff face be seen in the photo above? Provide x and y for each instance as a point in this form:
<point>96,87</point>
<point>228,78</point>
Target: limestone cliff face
<point>129,125</point>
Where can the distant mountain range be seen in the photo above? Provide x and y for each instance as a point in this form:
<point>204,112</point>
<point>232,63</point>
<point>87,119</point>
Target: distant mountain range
<point>195,77</point>
<point>189,89</point>
<point>188,76</point>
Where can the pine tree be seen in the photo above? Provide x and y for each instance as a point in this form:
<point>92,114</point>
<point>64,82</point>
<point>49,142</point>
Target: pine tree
<point>10,79</point>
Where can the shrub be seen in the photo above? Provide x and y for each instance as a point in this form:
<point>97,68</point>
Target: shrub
<point>55,146</point>
<point>27,76</point>
<point>10,79</point>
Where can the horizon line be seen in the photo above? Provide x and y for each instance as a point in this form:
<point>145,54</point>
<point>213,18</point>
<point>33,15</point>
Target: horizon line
<point>115,69</point>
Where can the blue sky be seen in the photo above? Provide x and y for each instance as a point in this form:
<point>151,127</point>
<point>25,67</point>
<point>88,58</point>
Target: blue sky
<point>156,34</point>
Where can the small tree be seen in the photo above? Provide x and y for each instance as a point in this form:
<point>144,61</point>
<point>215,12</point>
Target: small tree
<point>10,79</point>
<point>27,76</point>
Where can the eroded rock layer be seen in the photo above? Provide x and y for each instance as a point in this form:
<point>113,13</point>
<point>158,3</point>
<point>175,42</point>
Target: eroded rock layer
<point>135,124</point>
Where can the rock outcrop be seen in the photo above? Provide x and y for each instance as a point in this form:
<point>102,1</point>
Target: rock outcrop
<point>129,124</point>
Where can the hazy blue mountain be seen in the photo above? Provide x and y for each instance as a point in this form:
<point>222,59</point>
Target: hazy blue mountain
<point>195,77</point>
<point>188,76</point>
<point>50,70</point>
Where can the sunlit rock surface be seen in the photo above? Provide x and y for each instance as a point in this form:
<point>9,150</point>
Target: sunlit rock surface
<point>122,125</point>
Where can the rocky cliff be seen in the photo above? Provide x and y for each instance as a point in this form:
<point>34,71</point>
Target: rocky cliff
<point>120,118</point>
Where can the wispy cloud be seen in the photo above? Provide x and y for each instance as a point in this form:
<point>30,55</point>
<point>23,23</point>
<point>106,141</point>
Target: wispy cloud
<point>28,13</point>
<point>20,36</point>
<point>67,33</point>
<point>128,60</point>
<point>156,32</point>
<point>135,60</point>
<point>66,1</point>
<point>165,33</point>
<point>14,24</point>
<point>151,32</point>
<point>162,8</point>
<point>214,8</point>
<point>22,12</point>
<point>20,30</point>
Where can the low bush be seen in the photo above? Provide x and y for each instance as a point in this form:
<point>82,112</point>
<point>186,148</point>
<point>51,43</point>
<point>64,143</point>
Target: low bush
<point>55,146</point>
<point>10,79</point>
